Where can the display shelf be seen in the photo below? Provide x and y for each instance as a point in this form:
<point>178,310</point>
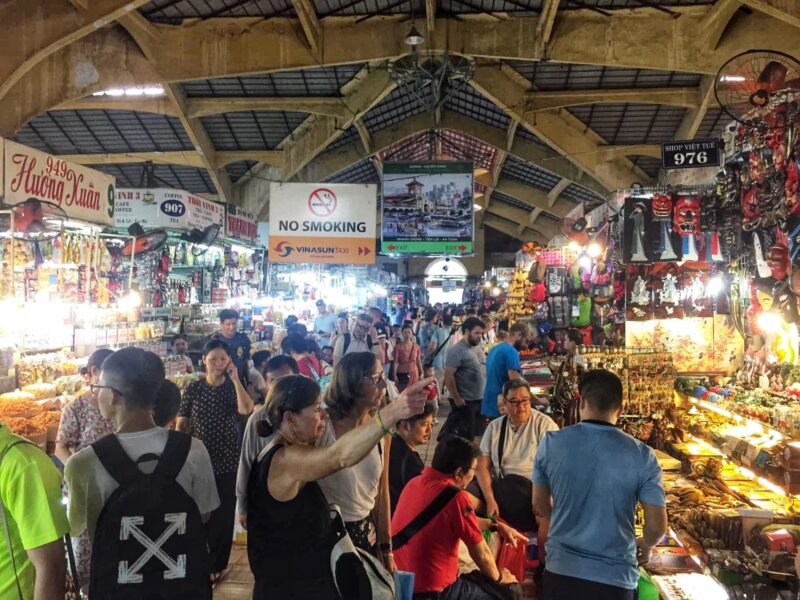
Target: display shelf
<point>706,405</point>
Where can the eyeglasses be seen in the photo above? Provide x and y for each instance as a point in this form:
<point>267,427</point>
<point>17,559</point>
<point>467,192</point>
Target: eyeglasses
<point>376,377</point>
<point>95,388</point>
<point>517,403</point>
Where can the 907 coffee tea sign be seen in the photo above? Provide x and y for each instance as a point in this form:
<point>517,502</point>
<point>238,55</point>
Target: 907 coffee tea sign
<point>690,154</point>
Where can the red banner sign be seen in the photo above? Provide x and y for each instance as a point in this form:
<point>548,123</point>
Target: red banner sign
<point>83,193</point>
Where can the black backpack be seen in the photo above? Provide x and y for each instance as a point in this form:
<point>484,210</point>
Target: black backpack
<point>150,539</point>
<point>348,339</point>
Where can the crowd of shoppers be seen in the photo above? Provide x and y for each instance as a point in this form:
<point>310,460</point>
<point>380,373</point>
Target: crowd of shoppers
<point>316,443</point>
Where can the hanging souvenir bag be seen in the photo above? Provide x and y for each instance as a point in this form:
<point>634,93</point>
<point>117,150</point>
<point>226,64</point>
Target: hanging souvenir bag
<point>556,280</point>
<point>559,311</point>
<point>581,311</point>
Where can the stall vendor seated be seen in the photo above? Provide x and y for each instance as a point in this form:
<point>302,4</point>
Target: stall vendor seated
<point>508,449</point>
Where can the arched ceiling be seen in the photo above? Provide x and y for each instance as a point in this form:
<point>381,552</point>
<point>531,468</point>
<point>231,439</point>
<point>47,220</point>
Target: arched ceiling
<point>569,100</point>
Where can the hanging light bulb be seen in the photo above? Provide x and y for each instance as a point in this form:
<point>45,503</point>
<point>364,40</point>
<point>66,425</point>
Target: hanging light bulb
<point>593,249</point>
<point>715,285</point>
<point>414,37</point>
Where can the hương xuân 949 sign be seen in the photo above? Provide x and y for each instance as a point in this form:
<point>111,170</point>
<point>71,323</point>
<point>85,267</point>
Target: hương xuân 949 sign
<point>428,208</point>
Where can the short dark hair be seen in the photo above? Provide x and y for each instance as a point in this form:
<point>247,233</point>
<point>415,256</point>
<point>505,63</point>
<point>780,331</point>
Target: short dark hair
<point>136,374</point>
<point>447,320</point>
<point>375,309</point>
<point>290,320</point>
<point>363,317</point>
<point>430,314</point>
<point>453,453</point>
<point>97,358</point>
<point>213,345</point>
<point>179,336</point>
<point>520,327</point>
<point>167,403</point>
<point>327,348</point>
<point>601,389</point>
<point>294,343</point>
<point>276,363</point>
<point>260,357</point>
<point>471,323</point>
<point>292,393</point>
<point>427,410</point>
<point>298,329</point>
<point>228,313</point>
<point>512,384</point>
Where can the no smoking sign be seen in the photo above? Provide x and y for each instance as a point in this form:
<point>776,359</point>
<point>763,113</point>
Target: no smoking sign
<point>322,202</point>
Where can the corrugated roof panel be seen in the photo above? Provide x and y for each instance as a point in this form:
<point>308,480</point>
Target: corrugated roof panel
<point>631,123</point>
<point>552,76</point>
<point>324,81</point>
<point>468,101</point>
<point>578,193</point>
<point>361,172</point>
<point>237,170</point>
<point>251,130</point>
<point>714,123</point>
<point>362,7</point>
<point>462,147</point>
<point>396,107</point>
<point>530,174</point>
<point>97,131</point>
<point>512,201</point>
<point>648,164</point>
<point>348,136</point>
<point>190,179</point>
<point>169,11</point>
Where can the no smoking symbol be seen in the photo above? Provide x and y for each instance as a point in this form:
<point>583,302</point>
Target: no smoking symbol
<point>322,202</point>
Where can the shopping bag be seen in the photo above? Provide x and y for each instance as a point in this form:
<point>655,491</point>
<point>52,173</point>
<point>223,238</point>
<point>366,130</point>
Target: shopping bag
<point>513,559</point>
<point>403,585</point>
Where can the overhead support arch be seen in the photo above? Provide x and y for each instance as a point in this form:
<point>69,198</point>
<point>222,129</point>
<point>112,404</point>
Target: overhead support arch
<point>633,39</point>
<point>687,97</point>
<point>693,119</point>
<point>560,130</point>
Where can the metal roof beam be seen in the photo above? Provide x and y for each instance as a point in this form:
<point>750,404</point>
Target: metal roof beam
<point>787,11</point>
<point>189,158</point>
<point>310,23</point>
<point>716,21</point>
<point>560,130</point>
<point>360,94</point>
<point>613,152</point>
<point>203,107</point>
<point>503,225</point>
<point>430,16</point>
<point>35,29</point>
<point>159,105</point>
<point>519,215</point>
<point>687,97</point>
<point>544,26</point>
<point>693,118</point>
<point>631,39</point>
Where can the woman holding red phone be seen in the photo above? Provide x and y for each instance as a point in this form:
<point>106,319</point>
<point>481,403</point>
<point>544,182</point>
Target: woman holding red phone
<point>210,411</point>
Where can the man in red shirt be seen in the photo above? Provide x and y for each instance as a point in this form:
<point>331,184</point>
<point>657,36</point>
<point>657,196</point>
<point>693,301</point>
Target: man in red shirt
<point>432,552</point>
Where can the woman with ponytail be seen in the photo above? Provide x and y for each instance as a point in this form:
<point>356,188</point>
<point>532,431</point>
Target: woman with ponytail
<point>289,527</point>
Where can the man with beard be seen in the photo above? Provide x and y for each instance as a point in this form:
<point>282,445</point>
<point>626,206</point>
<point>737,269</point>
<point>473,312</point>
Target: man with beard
<point>502,365</point>
<point>465,377</point>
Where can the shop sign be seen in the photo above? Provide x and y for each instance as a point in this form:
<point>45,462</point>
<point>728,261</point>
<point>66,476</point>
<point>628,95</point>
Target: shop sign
<point>322,223</point>
<point>690,154</point>
<point>241,225</point>
<point>428,208</point>
<point>83,193</point>
<point>164,207</point>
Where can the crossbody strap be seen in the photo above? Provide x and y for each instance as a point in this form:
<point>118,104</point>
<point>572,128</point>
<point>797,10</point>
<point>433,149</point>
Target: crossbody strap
<point>442,345</point>
<point>402,537</point>
<point>4,522</point>
<point>501,448</point>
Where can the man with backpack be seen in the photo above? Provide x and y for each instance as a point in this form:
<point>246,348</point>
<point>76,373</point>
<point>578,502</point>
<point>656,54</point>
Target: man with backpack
<point>433,516</point>
<point>143,493</point>
<point>363,338</point>
<point>32,561</point>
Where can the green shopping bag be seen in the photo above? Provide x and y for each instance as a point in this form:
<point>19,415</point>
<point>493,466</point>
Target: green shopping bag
<point>647,589</point>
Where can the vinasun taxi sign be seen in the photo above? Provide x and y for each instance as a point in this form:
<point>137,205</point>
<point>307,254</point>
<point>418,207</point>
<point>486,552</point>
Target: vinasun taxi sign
<point>83,193</point>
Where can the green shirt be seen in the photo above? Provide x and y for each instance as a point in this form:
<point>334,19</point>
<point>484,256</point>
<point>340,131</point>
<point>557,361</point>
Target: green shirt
<point>30,488</point>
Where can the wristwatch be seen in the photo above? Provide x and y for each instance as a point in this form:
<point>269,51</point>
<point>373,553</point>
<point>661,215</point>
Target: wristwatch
<point>493,527</point>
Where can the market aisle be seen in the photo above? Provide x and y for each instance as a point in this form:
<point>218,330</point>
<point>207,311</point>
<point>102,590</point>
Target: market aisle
<point>237,584</point>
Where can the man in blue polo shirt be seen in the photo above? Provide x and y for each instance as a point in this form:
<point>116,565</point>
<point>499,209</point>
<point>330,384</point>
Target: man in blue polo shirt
<point>502,365</point>
<point>587,480</point>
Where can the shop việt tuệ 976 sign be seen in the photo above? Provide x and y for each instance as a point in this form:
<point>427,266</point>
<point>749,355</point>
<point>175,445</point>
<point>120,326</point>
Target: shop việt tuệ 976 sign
<point>322,223</point>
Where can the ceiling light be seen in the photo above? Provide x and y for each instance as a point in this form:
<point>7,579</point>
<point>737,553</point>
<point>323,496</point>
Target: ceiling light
<point>414,37</point>
<point>476,207</point>
<point>134,91</point>
<point>146,90</point>
<point>153,90</point>
<point>114,92</point>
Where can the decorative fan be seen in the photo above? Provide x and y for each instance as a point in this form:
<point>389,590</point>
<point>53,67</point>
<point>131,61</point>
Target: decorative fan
<point>749,85</point>
<point>201,239</point>
<point>35,221</point>
<point>143,242</point>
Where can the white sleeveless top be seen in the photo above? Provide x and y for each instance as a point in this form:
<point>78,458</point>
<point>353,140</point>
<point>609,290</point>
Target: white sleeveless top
<point>354,489</point>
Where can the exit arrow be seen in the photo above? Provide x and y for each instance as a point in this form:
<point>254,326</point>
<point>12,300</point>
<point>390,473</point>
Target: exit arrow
<point>462,247</point>
<point>391,247</point>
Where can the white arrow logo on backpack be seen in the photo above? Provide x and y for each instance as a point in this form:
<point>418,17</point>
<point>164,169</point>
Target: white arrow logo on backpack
<point>176,569</point>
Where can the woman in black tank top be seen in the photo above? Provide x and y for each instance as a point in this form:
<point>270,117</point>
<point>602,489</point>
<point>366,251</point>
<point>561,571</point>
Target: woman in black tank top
<point>289,527</point>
